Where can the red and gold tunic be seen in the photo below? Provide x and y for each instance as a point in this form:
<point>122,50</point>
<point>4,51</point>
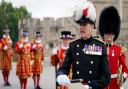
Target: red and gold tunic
<point>58,57</point>
<point>6,55</point>
<point>24,69</point>
<point>116,57</point>
<point>38,58</point>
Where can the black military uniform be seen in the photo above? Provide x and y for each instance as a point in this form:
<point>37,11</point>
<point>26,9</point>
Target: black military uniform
<point>87,56</point>
<point>89,62</point>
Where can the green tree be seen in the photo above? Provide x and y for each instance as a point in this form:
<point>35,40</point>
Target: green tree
<point>10,16</point>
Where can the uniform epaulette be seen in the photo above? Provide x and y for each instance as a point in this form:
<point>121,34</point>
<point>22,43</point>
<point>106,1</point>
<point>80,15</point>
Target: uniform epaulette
<point>117,45</point>
<point>100,40</point>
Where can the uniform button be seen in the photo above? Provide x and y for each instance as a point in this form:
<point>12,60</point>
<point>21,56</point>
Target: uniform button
<point>77,54</point>
<point>91,62</point>
<point>77,62</point>
<point>90,72</point>
<point>77,45</point>
<point>88,81</point>
<point>78,72</point>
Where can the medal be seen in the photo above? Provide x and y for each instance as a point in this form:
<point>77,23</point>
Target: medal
<point>92,49</point>
<point>113,53</point>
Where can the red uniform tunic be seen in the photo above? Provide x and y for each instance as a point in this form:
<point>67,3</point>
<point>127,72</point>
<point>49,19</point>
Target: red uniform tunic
<point>38,55</point>
<point>116,57</point>
<point>6,55</point>
<point>24,69</point>
<point>57,59</point>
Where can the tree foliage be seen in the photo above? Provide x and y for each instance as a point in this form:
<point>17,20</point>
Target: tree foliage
<point>10,16</point>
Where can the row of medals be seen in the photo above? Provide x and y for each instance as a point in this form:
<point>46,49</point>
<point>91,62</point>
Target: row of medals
<point>92,49</point>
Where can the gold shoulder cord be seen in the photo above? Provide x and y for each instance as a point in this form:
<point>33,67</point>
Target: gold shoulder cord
<point>123,50</point>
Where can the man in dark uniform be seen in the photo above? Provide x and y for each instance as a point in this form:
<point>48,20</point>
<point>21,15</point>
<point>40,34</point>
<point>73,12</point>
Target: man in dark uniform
<point>87,56</point>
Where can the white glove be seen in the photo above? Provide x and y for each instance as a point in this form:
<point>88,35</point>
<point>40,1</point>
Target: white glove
<point>86,86</point>
<point>54,51</point>
<point>121,88</point>
<point>34,46</point>
<point>63,80</point>
<point>20,45</point>
<point>5,47</point>
<point>31,62</point>
<point>125,75</point>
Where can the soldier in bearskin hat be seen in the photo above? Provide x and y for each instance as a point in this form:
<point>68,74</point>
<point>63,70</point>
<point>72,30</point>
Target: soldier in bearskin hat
<point>23,50</point>
<point>87,56</point>
<point>6,55</point>
<point>109,28</point>
<point>38,58</point>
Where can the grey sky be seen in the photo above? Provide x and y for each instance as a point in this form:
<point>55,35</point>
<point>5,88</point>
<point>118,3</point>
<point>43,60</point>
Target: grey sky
<point>48,8</point>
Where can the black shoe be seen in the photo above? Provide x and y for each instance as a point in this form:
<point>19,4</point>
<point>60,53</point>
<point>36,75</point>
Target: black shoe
<point>38,87</point>
<point>5,84</point>
<point>8,84</point>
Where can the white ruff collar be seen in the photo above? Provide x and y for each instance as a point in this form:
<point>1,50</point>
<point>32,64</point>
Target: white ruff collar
<point>4,36</point>
<point>64,47</point>
<point>38,41</point>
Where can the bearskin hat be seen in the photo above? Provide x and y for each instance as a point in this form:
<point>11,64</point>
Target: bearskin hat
<point>109,22</point>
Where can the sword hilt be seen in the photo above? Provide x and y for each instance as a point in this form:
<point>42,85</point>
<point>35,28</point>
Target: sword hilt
<point>76,80</point>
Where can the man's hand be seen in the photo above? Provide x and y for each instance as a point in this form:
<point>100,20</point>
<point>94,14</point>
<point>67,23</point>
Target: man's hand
<point>5,47</point>
<point>54,51</point>
<point>63,80</point>
<point>31,62</point>
<point>121,88</point>
<point>86,86</point>
<point>20,45</point>
<point>125,76</point>
<point>34,46</point>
